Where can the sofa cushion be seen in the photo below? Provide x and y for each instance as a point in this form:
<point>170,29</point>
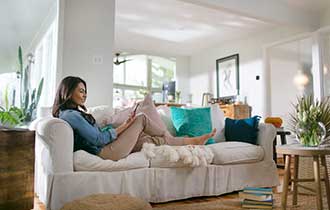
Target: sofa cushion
<point>84,161</point>
<point>192,122</point>
<point>236,152</point>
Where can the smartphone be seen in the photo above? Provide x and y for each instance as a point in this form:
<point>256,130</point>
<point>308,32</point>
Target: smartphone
<point>134,111</point>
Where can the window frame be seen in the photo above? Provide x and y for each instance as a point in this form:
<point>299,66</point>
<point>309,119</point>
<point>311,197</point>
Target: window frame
<point>149,87</point>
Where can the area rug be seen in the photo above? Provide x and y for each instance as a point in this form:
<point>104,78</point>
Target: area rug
<point>229,202</point>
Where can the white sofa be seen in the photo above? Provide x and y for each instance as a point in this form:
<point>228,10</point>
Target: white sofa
<point>60,177</point>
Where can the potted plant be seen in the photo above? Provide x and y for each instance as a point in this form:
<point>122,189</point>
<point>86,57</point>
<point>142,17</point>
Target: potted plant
<point>311,121</point>
<point>12,116</point>
<point>17,144</point>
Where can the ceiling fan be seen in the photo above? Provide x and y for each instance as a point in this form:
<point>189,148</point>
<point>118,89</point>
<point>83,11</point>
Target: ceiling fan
<point>117,62</point>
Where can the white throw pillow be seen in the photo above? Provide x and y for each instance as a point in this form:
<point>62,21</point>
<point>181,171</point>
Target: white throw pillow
<point>119,117</point>
<point>146,106</point>
<point>165,115</point>
<point>102,114</point>
<point>218,122</point>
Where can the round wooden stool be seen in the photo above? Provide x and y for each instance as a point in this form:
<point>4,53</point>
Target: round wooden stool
<point>296,150</point>
<point>107,202</point>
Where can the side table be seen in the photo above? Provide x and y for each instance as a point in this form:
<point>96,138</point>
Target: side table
<point>282,133</point>
<point>297,150</point>
<point>17,169</point>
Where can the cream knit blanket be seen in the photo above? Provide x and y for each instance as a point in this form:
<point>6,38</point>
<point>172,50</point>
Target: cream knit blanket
<point>190,155</point>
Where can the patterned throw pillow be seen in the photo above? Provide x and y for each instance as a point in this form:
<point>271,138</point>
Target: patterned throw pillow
<point>192,122</point>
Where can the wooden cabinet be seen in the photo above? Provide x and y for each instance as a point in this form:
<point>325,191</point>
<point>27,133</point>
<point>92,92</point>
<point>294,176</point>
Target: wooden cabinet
<point>236,111</point>
<point>17,170</point>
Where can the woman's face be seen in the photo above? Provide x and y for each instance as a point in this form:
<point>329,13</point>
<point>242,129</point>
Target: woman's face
<point>79,94</point>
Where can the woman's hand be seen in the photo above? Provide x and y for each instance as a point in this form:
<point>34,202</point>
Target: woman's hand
<point>131,118</point>
<point>126,124</point>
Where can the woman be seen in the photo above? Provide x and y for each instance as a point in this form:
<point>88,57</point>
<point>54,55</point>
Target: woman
<point>109,143</point>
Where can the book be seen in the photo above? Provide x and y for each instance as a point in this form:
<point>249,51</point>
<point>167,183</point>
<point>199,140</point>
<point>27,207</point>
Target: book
<point>255,196</point>
<point>262,190</point>
<point>252,202</point>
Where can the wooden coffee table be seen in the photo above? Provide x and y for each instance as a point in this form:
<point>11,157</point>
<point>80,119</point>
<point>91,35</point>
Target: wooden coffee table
<point>297,150</point>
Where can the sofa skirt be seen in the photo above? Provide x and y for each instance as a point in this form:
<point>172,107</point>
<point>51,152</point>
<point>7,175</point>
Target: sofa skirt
<point>161,184</point>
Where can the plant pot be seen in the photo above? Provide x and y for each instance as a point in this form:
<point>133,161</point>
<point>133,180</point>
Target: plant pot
<point>17,169</point>
<point>310,133</point>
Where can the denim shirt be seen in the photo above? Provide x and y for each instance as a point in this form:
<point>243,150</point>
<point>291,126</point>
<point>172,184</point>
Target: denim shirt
<point>87,137</point>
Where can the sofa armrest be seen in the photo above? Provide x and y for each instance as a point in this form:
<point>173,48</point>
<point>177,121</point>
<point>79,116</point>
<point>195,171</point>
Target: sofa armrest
<point>266,135</point>
<point>54,146</point>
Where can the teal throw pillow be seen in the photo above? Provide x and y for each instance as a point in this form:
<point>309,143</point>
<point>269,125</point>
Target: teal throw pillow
<point>192,122</point>
<point>244,130</point>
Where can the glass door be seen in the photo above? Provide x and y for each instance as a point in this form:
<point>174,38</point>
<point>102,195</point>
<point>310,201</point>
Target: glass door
<point>291,75</point>
<point>326,64</point>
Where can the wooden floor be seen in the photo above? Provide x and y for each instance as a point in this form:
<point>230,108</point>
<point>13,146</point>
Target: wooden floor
<point>39,206</point>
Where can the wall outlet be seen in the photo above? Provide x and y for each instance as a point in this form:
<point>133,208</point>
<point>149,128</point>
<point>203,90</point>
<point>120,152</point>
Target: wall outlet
<point>97,59</point>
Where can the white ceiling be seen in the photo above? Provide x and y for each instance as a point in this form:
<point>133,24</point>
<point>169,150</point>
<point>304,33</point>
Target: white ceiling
<point>177,27</point>
<point>170,27</point>
<point>183,27</point>
<point>309,5</point>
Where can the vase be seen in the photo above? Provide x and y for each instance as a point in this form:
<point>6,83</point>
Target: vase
<point>311,133</point>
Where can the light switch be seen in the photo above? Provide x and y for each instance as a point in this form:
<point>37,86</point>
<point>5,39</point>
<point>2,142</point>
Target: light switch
<point>97,59</point>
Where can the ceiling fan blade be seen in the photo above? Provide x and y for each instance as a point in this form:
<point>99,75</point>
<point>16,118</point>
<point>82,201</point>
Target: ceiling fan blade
<point>120,62</point>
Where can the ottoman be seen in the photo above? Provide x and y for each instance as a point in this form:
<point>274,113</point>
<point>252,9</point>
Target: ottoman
<point>107,202</point>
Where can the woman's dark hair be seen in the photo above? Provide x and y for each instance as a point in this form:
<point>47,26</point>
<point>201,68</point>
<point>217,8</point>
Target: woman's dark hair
<point>63,97</point>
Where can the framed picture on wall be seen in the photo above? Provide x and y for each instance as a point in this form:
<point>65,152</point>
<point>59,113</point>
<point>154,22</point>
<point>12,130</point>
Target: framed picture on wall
<point>228,76</point>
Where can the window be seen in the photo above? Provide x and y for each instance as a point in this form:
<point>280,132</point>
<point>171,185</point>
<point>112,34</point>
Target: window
<point>9,84</point>
<point>141,74</point>
<point>45,66</point>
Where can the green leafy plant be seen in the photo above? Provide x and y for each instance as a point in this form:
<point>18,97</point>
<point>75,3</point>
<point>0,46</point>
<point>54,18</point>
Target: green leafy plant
<point>29,99</point>
<point>307,115</point>
<point>11,116</point>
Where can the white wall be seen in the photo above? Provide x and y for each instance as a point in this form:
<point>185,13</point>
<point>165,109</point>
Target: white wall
<point>86,30</point>
<point>250,50</point>
<point>325,19</point>
<point>182,77</point>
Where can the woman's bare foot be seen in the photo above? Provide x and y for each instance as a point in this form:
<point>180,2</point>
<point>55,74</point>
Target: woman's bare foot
<point>200,140</point>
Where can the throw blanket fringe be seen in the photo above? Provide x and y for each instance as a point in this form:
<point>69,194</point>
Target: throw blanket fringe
<point>192,155</point>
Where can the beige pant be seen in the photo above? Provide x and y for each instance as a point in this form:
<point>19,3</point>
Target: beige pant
<point>131,140</point>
